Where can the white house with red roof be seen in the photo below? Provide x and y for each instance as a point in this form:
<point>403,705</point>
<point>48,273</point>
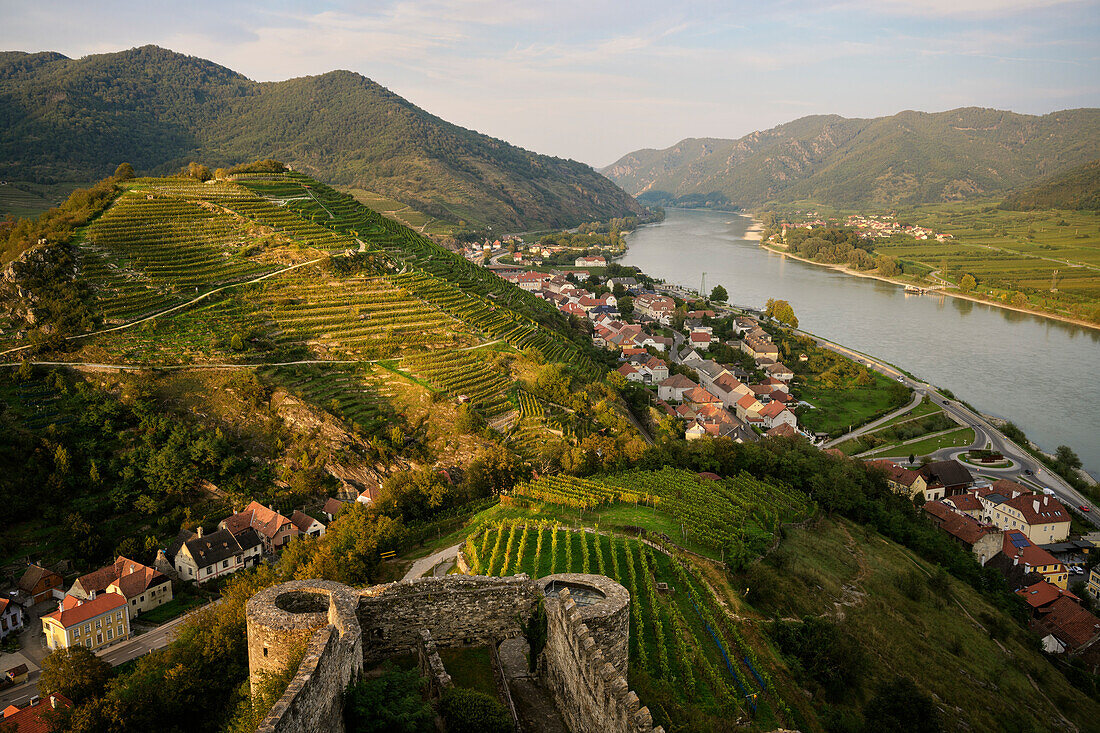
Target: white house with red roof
<point>590,261</point>
<point>776,413</point>
<point>675,387</point>
<point>1009,505</point>
<point>274,529</point>
<point>143,587</point>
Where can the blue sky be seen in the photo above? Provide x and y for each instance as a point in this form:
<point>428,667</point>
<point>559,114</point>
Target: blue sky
<point>593,80</point>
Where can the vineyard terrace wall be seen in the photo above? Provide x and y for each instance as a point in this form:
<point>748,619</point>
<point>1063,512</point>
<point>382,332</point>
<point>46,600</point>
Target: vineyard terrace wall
<point>344,628</point>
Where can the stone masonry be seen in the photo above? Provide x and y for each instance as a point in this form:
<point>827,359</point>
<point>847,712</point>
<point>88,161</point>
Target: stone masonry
<point>584,663</point>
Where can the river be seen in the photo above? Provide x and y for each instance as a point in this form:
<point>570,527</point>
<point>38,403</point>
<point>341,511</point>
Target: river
<point>1042,374</point>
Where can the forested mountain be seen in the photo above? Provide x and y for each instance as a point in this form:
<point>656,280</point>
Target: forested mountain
<point>76,119</point>
<point>1077,188</point>
<point>908,158</point>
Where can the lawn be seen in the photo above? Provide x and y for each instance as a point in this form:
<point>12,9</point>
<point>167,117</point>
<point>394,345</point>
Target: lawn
<point>838,409</point>
<point>170,610</point>
<point>955,439</point>
<point>471,668</point>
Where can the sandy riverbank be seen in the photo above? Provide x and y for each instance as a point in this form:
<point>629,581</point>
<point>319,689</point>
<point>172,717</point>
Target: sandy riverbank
<point>951,293</point>
<point>753,233</point>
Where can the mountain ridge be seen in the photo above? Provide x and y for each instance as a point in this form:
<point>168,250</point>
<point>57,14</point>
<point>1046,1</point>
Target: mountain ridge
<point>906,158</point>
<point>75,119</point>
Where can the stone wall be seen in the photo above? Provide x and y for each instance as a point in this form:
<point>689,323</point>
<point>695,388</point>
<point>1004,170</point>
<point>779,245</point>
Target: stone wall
<point>590,692</point>
<point>278,618</point>
<point>584,662</point>
<point>458,610</point>
<point>431,666</point>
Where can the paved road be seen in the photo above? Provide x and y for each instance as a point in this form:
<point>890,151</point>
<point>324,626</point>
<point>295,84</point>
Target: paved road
<point>425,564</point>
<point>157,638</point>
<point>1026,469</point>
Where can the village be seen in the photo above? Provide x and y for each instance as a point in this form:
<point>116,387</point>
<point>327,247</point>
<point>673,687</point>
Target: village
<point>877,227</point>
<point>707,368</point>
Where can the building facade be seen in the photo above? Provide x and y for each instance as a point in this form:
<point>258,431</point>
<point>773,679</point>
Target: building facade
<point>94,624</point>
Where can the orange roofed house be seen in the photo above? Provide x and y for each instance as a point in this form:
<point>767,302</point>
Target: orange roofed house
<point>37,717</point>
<point>40,583</point>
<point>274,529</point>
<point>95,624</point>
<point>143,587</point>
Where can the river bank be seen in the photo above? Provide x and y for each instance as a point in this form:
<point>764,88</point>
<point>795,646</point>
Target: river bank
<point>951,293</point>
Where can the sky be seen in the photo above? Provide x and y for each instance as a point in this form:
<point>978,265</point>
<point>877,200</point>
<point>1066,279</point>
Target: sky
<point>594,80</point>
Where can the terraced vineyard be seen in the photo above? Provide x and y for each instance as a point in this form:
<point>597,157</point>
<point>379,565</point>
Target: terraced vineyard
<point>359,396</point>
<point>465,375</point>
<point>738,515</point>
<point>685,654</point>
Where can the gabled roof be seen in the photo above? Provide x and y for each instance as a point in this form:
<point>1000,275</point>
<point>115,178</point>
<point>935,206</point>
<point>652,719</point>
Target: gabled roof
<point>678,381</point>
<point>626,370</point>
<point>772,409</point>
<point>1039,509</point>
<point>1043,593</point>
<point>948,473</point>
<point>777,368</point>
<point>36,573</point>
<point>1008,488</point>
<point>1069,622</point>
<point>782,430</point>
<point>333,506</point>
<point>73,611</point>
<point>1017,546</point>
<point>217,546</point>
<point>302,521</point>
<point>727,382</point>
<point>31,719</point>
<point>130,576</point>
<point>700,395</point>
<point>267,522</point>
<point>747,401</point>
<point>965,502</point>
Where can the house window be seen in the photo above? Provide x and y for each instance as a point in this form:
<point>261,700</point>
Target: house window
<point>99,623</point>
<point>88,641</point>
<point>87,628</point>
<point>225,563</point>
<point>110,634</point>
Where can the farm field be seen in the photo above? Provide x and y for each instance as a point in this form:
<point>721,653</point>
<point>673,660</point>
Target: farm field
<point>400,212</point>
<point>1010,251</point>
<point>688,661</point>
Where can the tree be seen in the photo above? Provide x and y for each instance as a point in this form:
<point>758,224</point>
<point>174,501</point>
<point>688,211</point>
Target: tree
<point>781,311</point>
<point>470,711</point>
<point>236,343</point>
<point>967,283</point>
<point>198,171</point>
<point>1065,456</point>
<point>887,266</point>
<point>392,702</point>
<point>1019,299</point>
<point>719,294</point>
<point>77,673</point>
<point>124,172</point>
<point>899,706</point>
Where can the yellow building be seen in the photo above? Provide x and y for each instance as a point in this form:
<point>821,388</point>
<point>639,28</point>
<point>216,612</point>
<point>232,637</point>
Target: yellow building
<point>95,624</point>
<point>1041,518</point>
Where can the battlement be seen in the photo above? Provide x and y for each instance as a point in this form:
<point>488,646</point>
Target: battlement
<point>584,662</point>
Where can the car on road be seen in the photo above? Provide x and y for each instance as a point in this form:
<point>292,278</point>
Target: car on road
<point>1027,471</point>
<point>1083,508</point>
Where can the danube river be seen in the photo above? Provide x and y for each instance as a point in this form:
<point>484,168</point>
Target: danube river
<point>1042,374</point>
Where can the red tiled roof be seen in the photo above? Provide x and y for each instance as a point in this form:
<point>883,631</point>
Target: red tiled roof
<point>626,370</point>
<point>30,718</point>
<point>773,409</point>
<point>266,521</point>
<point>700,395</point>
<point>73,611</point>
<point>903,476</point>
<point>301,520</point>
<point>965,502</point>
<point>727,381</point>
<point>1069,622</point>
<point>747,401</point>
<point>1043,593</point>
<point>1029,554</point>
<point>957,525</point>
<point>1004,487</point>
<point>131,577</point>
<point>1039,509</point>
<point>333,506</point>
<point>782,430</point>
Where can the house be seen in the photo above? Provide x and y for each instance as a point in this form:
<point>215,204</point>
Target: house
<point>143,587</point>
<point>655,369</point>
<point>657,307</point>
<point>630,373</point>
<point>1093,585</point>
<point>700,396</point>
<point>1040,595</point>
<point>34,718</point>
<point>11,617</point>
<point>274,529</point>
<point>904,481</point>
<point>626,282</point>
<point>331,508</point>
<point>759,348</point>
<point>660,343</point>
<point>201,557</point>
<point>700,314</point>
<point>531,281</point>
<point>95,624</point>
<point>675,387</point>
<point>779,371</point>
<point>695,431</point>
<point>983,540</point>
<point>1034,559</point>
<point>782,430</point>
<point>1041,518</point>
<point>307,525</point>
<point>700,339</point>
<point>41,584</point>
<point>688,355</point>
<point>730,389</point>
<point>590,261</point>
<point>748,409</point>
<point>776,413</point>
<point>967,504</point>
<point>743,324</point>
<point>950,475</point>
<point>1077,630</point>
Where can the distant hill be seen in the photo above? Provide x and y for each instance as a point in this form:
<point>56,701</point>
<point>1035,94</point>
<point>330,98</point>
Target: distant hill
<point>75,120</point>
<point>1077,188</point>
<point>907,158</point>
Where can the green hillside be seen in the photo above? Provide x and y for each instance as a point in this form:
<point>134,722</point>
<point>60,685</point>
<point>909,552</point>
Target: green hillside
<point>907,158</point>
<point>76,119</point>
<point>1078,188</point>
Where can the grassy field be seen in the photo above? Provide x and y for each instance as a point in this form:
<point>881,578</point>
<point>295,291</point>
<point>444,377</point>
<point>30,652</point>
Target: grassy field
<point>955,439</point>
<point>839,408</point>
<point>400,212</point>
<point>908,624</point>
<point>20,198</point>
<point>170,610</point>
